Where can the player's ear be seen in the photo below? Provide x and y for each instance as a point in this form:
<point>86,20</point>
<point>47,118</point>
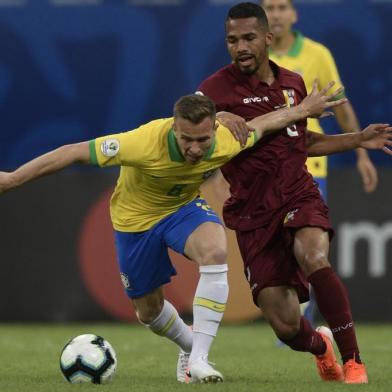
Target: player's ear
<point>268,38</point>
<point>216,125</point>
<point>294,18</point>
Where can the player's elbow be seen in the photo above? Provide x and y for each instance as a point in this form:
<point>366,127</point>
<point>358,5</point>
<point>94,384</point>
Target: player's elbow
<point>313,142</point>
<point>77,152</point>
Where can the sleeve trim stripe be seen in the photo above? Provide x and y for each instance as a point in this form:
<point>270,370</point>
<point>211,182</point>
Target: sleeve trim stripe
<point>339,96</point>
<point>93,153</point>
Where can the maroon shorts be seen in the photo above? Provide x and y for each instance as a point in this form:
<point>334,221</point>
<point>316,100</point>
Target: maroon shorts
<point>267,251</point>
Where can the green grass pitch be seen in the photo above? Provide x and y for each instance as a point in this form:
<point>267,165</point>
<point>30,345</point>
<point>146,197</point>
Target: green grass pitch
<point>246,355</point>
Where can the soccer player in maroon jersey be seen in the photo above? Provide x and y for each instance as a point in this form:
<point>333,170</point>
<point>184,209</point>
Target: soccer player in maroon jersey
<point>281,221</point>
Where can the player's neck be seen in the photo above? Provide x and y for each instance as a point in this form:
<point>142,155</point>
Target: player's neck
<point>265,73</point>
<point>282,45</point>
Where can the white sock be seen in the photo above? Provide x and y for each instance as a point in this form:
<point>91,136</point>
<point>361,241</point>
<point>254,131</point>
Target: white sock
<point>171,325</point>
<point>208,307</point>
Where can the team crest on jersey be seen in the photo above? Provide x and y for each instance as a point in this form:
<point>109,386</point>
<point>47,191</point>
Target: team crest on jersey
<point>125,280</point>
<point>290,216</point>
<point>110,147</point>
<point>289,97</point>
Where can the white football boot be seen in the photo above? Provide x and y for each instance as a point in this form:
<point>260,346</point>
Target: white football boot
<point>182,365</point>
<point>201,372</point>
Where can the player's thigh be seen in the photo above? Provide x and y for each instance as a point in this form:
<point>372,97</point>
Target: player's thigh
<point>311,248</point>
<point>270,262</point>
<point>207,244</point>
<point>197,232</point>
<point>280,306</point>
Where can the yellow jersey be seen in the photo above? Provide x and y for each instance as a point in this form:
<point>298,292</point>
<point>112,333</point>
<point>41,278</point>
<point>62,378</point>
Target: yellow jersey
<point>311,60</point>
<point>155,180</point>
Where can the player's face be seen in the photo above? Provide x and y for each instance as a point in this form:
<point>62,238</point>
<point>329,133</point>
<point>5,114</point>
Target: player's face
<point>194,140</point>
<point>247,43</point>
<point>281,16</point>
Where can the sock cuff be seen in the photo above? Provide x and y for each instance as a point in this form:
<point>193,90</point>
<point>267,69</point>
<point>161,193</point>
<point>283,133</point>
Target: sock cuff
<point>322,273</point>
<point>213,269</point>
<point>168,311</point>
<point>303,322</point>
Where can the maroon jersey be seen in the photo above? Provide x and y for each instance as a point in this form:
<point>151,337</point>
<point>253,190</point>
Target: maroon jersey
<point>271,177</point>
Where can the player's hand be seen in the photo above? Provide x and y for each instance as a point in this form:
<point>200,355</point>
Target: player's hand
<point>368,172</point>
<point>377,137</point>
<point>318,102</point>
<point>236,124</point>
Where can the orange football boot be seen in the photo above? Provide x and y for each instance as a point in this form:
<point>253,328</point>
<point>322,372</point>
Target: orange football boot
<point>328,367</point>
<point>355,373</point>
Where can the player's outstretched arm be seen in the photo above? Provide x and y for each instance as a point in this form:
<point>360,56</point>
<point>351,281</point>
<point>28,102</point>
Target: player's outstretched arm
<point>316,104</point>
<point>45,164</point>
<point>348,122</point>
<point>373,137</point>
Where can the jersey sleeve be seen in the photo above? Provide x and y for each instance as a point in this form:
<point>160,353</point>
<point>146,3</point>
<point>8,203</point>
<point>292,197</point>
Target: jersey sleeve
<point>328,71</point>
<point>230,146</point>
<point>121,149</point>
<point>215,88</point>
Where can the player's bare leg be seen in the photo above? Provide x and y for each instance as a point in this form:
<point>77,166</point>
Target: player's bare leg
<point>311,247</point>
<point>160,316</point>
<point>208,247</point>
<point>281,308</point>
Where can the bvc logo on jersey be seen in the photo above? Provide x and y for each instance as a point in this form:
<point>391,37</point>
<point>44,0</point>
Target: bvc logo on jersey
<point>110,147</point>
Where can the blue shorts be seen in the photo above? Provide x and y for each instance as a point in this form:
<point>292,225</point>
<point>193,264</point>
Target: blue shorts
<point>143,257</point>
<point>322,186</point>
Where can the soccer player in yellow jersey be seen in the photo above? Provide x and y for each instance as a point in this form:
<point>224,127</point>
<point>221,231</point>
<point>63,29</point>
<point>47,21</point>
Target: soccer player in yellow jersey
<point>156,206</point>
<point>313,61</point>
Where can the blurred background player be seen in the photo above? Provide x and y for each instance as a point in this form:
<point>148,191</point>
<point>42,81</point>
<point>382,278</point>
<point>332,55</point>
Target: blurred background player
<point>312,60</point>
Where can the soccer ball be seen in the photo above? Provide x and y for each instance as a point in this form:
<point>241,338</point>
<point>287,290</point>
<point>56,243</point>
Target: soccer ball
<point>88,358</point>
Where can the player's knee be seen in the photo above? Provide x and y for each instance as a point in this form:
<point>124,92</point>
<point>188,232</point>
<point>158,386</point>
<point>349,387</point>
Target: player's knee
<point>212,255</point>
<point>284,329</point>
<point>314,260</point>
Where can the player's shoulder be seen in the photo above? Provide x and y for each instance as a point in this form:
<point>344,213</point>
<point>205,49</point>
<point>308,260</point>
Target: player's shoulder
<point>315,48</point>
<point>157,125</point>
<point>222,77</point>
<point>288,77</point>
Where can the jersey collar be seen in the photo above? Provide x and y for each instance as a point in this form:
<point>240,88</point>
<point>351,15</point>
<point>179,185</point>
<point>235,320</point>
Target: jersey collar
<point>252,80</point>
<point>296,48</point>
<point>175,152</point>
<point>297,45</point>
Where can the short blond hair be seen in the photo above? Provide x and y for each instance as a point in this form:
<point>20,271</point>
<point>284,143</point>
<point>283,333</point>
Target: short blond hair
<point>194,108</point>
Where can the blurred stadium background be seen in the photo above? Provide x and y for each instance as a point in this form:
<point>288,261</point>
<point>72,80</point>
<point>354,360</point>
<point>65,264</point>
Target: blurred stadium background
<point>72,70</point>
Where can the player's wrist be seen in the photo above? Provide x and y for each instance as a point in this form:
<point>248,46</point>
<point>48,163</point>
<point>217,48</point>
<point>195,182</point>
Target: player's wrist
<point>302,111</point>
<point>360,139</point>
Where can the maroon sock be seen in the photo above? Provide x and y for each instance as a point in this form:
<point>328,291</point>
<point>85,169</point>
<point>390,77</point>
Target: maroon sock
<point>307,339</point>
<point>334,305</point>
